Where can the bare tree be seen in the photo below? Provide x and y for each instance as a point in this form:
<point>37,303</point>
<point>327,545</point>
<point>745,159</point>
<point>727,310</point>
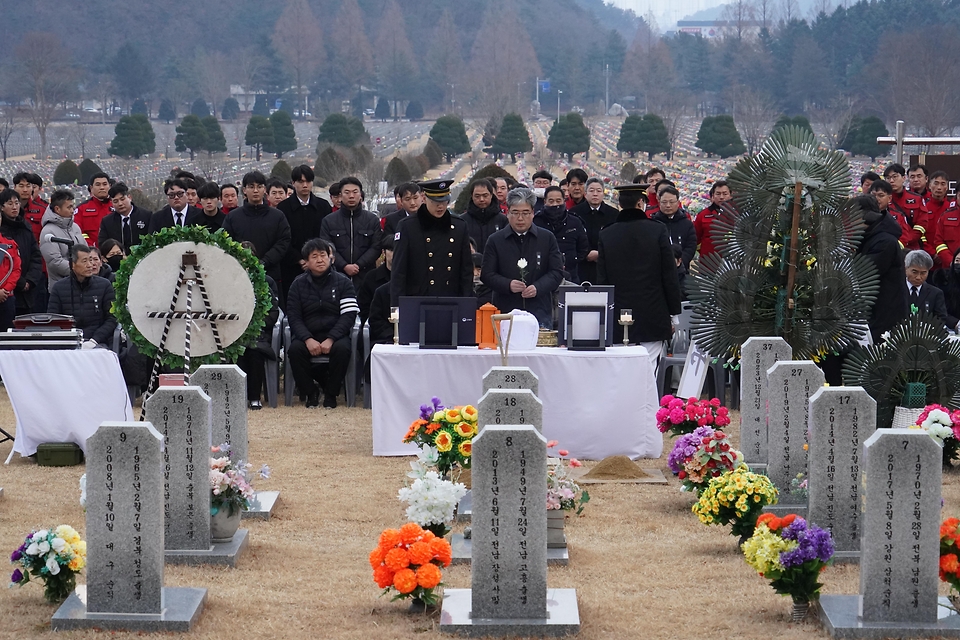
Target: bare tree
<point>11,121</point>
<point>672,104</point>
<point>80,133</point>
<point>833,120</point>
<point>738,16</point>
<point>444,60</point>
<point>821,6</point>
<point>45,78</point>
<point>298,40</point>
<point>754,113</point>
<point>250,64</point>
<point>212,69</point>
<point>789,10</point>
<point>394,56</point>
<point>103,89</point>
<point>765,13</point>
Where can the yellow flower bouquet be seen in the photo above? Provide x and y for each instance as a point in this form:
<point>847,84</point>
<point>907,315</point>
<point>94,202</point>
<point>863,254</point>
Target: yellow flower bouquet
<point>445,435</point>
<point>736,498</point>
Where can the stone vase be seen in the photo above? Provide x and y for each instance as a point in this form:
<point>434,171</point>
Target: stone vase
<point>555,522</point>
<point>223,526</point>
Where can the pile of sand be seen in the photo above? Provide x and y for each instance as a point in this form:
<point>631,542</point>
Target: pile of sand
<point>616,468</point>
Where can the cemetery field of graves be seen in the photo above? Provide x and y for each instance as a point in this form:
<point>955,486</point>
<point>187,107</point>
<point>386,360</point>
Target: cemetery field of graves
<point>640,561</point>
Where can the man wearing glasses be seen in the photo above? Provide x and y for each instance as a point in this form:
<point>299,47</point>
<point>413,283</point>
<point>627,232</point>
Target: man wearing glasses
<point>522,262</point>
<point>177,213</point>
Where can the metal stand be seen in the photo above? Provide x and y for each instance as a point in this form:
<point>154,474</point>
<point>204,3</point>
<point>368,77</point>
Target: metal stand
<point>189,260</point>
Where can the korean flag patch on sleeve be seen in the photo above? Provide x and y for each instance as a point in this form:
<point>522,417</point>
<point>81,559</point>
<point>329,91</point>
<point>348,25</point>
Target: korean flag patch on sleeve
<point>396,236</point>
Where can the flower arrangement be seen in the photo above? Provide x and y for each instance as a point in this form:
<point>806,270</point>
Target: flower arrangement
<point>55,556</point>
<point>950,552</point>
<point>943,425</point>
<point>408,561</point>
<point>799,486</point>
<point>449,431</point>
<point>230,482</point>
<point>700,456</point>
<point>790,553</point>
<point>432,499</point>
<point>678,417</point>
<point>735,498</point>
<point>562,491</point>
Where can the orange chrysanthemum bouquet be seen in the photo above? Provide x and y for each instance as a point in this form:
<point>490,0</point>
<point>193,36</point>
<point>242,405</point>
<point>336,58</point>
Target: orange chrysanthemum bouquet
<point>408,561</point>
<point>950,553</point>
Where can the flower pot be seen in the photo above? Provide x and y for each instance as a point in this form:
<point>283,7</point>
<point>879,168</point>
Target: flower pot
<point>555,536</point>
<point>223,526</point>
<point>800,609</point>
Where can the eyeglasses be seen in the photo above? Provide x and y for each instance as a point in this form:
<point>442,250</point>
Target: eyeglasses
<point>525,214</point>
<point>173,195</point>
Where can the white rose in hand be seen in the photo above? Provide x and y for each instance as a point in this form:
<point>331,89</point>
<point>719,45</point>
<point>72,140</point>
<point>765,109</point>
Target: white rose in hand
<point>522,263</point>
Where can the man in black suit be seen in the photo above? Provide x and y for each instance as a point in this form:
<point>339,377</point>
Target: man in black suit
<point>177,213</point>
<point>595,214</point>
<point>409,198</point>
<point>127,223</point>
<point>304,212</point>
<point>922,296</point>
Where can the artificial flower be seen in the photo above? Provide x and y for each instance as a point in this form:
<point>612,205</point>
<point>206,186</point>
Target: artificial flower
<point>443,441</point>
<point>405,581</point>
<point>428,576</point>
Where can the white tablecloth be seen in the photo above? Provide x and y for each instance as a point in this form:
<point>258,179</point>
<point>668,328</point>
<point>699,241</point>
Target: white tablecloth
<point>595,403</point>
<point>62,395</point>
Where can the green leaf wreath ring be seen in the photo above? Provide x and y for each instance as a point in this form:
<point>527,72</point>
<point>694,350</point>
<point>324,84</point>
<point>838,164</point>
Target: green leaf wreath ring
<point>199,235</point>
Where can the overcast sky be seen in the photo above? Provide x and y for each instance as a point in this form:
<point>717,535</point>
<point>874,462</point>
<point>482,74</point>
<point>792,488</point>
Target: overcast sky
<point>667,12</point>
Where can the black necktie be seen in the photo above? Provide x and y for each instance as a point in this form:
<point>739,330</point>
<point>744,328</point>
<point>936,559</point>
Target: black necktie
<point>179,222</point>
<point>127,233</point>
<point>914,296</point>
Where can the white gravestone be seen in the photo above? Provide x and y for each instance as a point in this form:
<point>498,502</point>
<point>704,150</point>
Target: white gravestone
<point>757,355</point>
<point>511,378</point>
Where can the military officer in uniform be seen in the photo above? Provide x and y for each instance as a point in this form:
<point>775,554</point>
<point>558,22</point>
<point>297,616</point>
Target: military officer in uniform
<point>431,255</point>
<point>637,259</point>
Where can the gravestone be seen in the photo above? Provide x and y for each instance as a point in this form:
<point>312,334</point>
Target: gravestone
<point>900,545</point>
<point>182,415</point>
<point>757,355</point>
<point>508,594</point>
<point>510,406</point>
<point>791,383</point>
<point>841,420</point>
<point>125,535</point>
<point>511,378</point>
<point>226,385</point>
<point>694,374</point>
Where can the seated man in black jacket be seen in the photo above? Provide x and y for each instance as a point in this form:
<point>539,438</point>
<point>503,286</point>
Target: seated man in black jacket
<point>322,308</point>
<point>86,297</point>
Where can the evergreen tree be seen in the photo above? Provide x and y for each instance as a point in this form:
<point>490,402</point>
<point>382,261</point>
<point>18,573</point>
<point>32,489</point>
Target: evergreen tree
<point>146,133</point>
<point>652,135</point>
<point>87,168</point>
<point>861,137</point>
<point>128,139</point>
<point>231,109</point>
<point>259,133</point>
<point>281,170</point>
<point>414,111</point>
<point>284,135</point>
<point>569,135</point>
<point>451,136</point>
<point>191,135</point>
<point>433,152</point>
<point>260,106</point>
<point>342,130</point>
<point>397,172</point>
<point>200,108</point>
<point>139,107</point>
<point>167,113</point>
<point>513,137</point>
<point>628,140</point>
<point>331,165</point>
<point>798,121</point>
<point>382,112</point>
<point>67,172</point>
<point>216,142</point>
<point>718,135</point>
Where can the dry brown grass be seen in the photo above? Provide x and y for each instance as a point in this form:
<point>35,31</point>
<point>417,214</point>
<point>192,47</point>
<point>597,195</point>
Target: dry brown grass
<point>642,564</point>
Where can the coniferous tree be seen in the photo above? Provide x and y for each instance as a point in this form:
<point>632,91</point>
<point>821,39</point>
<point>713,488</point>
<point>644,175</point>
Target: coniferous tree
<point>146,133</point>
<point>342,130</point>
<point>67,172</point>
<point>628,140</point>
<point>414,111</point>
<point>191,135</point>
<point>281,170</point>
<point>513,137</point>
<point>569,135</point>
<point>167,113</point>
<point>139,107</point>
<point>382,112</point>
<point>861,137</point>
<point>261,107</point>
<point>259,133</point>
<point>284,135</point>
<point>798,121</point>
<point>216,142</point>
<point>652,136</point>
<point>87,168</point>
<point>433,152</point>
<point>331,165</point>
<point>231,109</point>
<point>451,136</point>
<point>200,108</point>
<point>397,172</point>
<point>718,135</point>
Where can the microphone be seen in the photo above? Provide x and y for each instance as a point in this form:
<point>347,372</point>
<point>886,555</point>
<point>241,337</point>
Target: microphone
<point>52,238</point>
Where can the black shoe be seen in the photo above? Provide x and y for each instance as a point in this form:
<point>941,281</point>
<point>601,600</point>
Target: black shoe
<point>255,405</point>
<point>329,402</point>
<point>313,400</point>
